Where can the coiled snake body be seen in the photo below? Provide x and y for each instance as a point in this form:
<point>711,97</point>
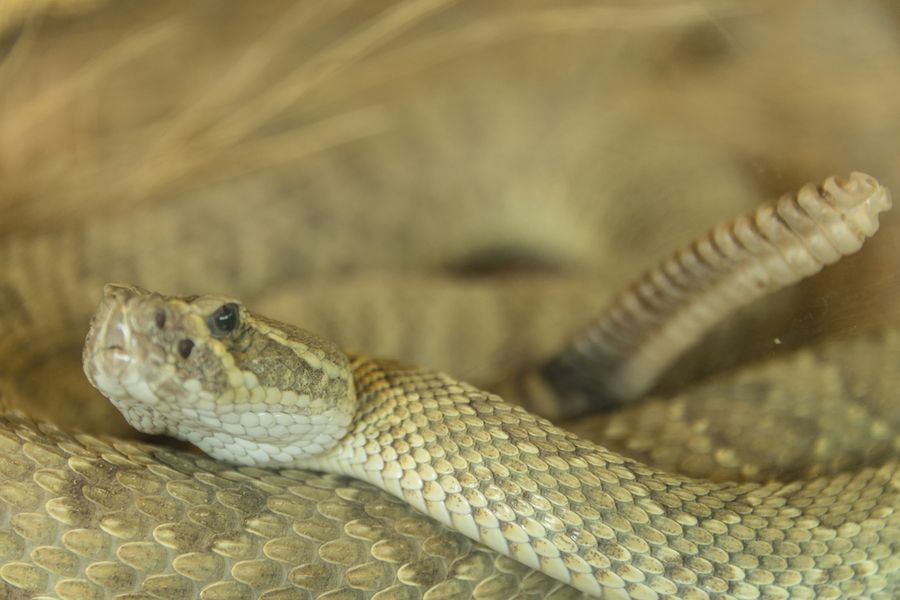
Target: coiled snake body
<point>252,391</point>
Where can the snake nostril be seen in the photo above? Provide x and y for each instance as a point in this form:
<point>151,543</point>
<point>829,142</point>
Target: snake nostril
<point>185,347</point>
<point>160,318</point>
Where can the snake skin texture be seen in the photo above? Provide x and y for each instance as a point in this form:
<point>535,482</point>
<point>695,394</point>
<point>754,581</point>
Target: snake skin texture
<point>84,517</point>
<point>88,517</point>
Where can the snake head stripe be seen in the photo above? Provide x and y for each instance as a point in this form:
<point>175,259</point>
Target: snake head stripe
<point>242,388</point>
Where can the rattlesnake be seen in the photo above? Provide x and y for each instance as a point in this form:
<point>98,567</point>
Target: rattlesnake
<point>74,134</point>
<point>85,514</point>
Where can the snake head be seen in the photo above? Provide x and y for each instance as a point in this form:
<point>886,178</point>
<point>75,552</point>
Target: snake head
<point>243,388</point>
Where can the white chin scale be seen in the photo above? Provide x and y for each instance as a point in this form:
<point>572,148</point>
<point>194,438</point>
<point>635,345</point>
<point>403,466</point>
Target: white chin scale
<point>265,437</point>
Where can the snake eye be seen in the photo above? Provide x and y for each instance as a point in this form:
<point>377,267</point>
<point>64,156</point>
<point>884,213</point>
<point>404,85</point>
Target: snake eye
<point>185,347</point>
<point>160,318</point>
<point>224,320</point>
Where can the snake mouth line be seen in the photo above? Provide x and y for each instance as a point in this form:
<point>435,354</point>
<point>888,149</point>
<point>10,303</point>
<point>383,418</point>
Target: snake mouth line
<point>110,340</point>
<point>117,334</point>
<point>114,333</point>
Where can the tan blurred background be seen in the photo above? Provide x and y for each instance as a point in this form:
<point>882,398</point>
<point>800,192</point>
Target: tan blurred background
<point>408,153</point>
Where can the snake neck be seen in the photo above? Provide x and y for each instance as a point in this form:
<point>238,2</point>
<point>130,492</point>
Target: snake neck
<point>554,502</point>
